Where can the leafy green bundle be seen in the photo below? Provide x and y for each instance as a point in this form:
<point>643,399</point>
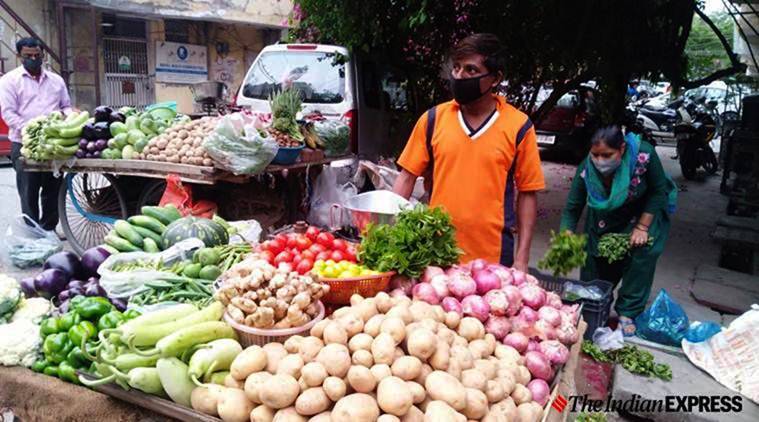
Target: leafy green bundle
<point>566,252</point>
<point>632,358</point>
<point>615,246</point>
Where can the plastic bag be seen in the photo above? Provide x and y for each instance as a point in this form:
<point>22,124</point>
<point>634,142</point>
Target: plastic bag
<point>27,244</point>
<point>124,284</point>
<point>239,147</point>
<point>248,231</point>
<point>577,290</point>
<point>383,178</point>
<point>702,331</point>
<point>606,339</point>
<point>180,195</point>
<point>335,134</point>
<point>327,191</point>
<point>664,322</point>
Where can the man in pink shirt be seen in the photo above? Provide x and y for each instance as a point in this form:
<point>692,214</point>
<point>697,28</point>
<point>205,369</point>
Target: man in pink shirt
<point>27,92</point>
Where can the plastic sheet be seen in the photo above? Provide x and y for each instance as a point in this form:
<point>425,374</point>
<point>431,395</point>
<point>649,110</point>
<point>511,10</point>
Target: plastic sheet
<point>327,191</point>
<point>606,339</point>
<point>239,147</point>
<point>27,244</point>
<point>664,322</point>
<point>590,292</point>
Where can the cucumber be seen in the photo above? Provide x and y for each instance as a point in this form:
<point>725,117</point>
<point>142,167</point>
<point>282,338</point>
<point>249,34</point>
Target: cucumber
<point>147,222</point>
<point>172,212</point>
<point>148,234</point>
<point>122,245</point>
<point>209,272</point>
<point>192,270</point>
<point>149,245</point>
<point>125,230</point>
<point>159,213</point>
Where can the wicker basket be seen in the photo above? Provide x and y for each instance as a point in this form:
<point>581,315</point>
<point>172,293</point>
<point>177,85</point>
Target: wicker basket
<point>341,289</point>
<point>250,336</point>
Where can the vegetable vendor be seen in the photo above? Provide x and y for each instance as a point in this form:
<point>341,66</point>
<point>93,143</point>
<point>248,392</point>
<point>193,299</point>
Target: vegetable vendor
<point>27,92</point>
<point>627,191</point>
<point>477,151</point>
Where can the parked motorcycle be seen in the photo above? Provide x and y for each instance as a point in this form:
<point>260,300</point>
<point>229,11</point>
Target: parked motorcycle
<point>693,136</point>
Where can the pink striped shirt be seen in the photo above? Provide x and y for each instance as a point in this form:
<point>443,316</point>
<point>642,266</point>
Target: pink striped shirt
<point>23,98</point>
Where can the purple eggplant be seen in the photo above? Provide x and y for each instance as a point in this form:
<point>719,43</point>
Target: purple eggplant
<point>90,146</point>
<point>93,279</point>
<point>96,154</point>
<point>65,261</point>
<point>64,295</point>
<point>27,286</point>
<point>75,284</point>
<point>92,289</point>
<point>101,144</point>
<point>76,291</point>
<point>88,155</point>
<point>120,304</point>
<point>64,306</point>
<point>83,143</point>
<point>80,154</point>
<point>50,282</point>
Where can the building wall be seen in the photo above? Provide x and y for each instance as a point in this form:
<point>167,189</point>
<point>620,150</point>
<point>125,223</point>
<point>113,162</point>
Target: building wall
<point>39,15</point>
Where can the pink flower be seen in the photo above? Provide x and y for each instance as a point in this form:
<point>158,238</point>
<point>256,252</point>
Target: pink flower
<point>582,174</point>
<point>643,157</point>
<point>635,181</point>
<point>640,170</point>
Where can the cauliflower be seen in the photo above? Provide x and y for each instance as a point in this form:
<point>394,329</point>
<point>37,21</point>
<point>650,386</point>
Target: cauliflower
<point>10,295</point>
<point>34,309</point>
<point>19,343</point>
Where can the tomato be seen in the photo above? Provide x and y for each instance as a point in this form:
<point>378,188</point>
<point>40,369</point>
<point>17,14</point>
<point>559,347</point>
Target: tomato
<point>350,254</point>
<point>323,256</point>
<point>283,256</point>
<point>339,245</point>
<point>337,256</point>
<point>292,242</point>
<point>304,266</point>
<point>308,254</point>
<point>312,233</point>
<point>325,239</point>
<point>302,243</point>
<point>267,255</point>
<point>316,248</point>
<point>281,238</point>
<point>275,246</point>
<point>296,260</point>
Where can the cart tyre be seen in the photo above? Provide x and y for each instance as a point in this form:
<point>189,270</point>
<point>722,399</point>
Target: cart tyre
<point>148,195</point>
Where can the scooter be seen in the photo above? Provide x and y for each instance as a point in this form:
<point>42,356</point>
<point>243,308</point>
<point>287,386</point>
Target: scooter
<point>693,136</point>
<point>660,122</point>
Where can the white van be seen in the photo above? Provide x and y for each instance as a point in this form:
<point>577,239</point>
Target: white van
<point>373,100</point>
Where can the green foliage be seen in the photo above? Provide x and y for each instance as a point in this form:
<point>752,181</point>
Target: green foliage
<point>704,51</point>
<point>633,359</point>
<point>565,253</point>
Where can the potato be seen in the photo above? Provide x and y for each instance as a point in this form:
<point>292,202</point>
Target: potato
<point>262,413</point>
<point>454,368</point>
<point>491,342</point>
<point>314,374</point>
<point>360,341</point>
<point>478,348</point>
<point>471,329</point>
<point>421,310</point>
<point>508,383</point>
<point>383,302</point>
<point>340,312</point>
<point>334,388</point>
<point>361,379</point>
<point>488,368</point>
<point>503,411</point>
<point>426,370</point>
<point>312,401</point>
<point>417,391</point>
<point>441,411</point>
<point>231,382</point>
<point>413,415</point>
<point>421,343</point>
<point>439,314</point>
<point>429,324</point>
<point>352,323</point>
<point>394,396</point>
<point>335,333</point>
<point>407,368</point>
<point>527,412</point>
<point>399,353</point>
<point>395,327</point>
<point>402,311</point>
<point>366,309</point>
<point>288,415</point>
<point>205,399</point>
<point>452,320</point>
<point>460,342</point>
<point>357,407</point>
<point>363,358</point>
<point>335,358</point>
<point>521,394</point>
<point>309,348</point>
<point>318,329</point>
<point>472,378</point>
<point>274,353</point>
<point>321,417</point>
<point>280,391</point>
<point>250,360</point>
<point>443,386</point>
<point>446,334</point>
<point>253,385</point>
<point>494,391</point>
<point>464,357</point>
<point>372,327</point>
<point>442,356</point>
<point>476,404</point>
<point>522,375</point>
<point>381,371</point>
<point>388,418</point>
<point>383,348</point>
<point>290,365</point>
<point>233,406</point>
<point>292,344</point>
<point>355,299</point>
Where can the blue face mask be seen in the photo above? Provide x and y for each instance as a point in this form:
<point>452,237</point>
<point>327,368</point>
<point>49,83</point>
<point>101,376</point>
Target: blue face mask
<point>607,166</point>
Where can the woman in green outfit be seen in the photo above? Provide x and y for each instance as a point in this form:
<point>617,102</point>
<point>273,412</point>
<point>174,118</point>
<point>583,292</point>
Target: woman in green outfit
<point>627,191</point>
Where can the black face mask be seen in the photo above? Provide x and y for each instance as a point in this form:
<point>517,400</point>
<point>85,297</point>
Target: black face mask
<point>33,65</point>
<point>467,90</point>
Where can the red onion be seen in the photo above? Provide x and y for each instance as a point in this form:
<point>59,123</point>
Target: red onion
<point>538,365</point>
<point>486,281</point>
<point>498,302</point>
<point>461,285</point>
<point>516,340</point>
<point>556,352</point>
<point>431,272</point>
<point>567,333</point>
<point>454,270</point>
<point>475,306</point>
<point>569,312</point>
<point>544,330</point>
<point>533,296</point>
<point>553,300</point>
<point>519,324</point>
<point>503,273</point>
<point>398,293</point>
<point>533,346</point>
<point>402,282</point>
<point>478,265</point>
<point>518,277</point>
<point>498,326</point>
<point>452,304</point>
<point>426,293</point>
<point>540,391</point>
<point>530,279</point>
<point>550,315</point>
<point>439,282</point>
<point>515,299</point>
<point>529,315</point>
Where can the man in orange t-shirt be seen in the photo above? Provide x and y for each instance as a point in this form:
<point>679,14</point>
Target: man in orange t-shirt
<point>478,149</point>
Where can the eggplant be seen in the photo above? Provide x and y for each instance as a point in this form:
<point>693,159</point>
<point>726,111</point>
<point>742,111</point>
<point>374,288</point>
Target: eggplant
<point>75,284</point>
<point>76,291</point>
<point>27,286</point>
<point>117,117</point>
<point>90,146</point>
<point>96,154</point>
<point>64,295</point>
<point>88,132</point>
<point>102,130</point>
<point>50,282</point>
<point>88,155</point>
<point>80,153</point>
<point>64,306</point>
<point>103,114</point>
<point>101,144</point>
<point>120,304</point>
<point>93,289</point>
<point>83,143</point>
<point>66,261</point>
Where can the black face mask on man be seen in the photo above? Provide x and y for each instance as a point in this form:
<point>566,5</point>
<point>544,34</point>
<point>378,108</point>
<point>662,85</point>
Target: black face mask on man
<point>33,65</point>
<point>467,90</point>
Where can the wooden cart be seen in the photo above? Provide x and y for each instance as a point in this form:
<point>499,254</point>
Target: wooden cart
<point>97,192</point>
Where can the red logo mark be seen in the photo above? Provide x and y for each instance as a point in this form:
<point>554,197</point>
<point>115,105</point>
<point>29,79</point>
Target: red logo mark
<point>559,403</point>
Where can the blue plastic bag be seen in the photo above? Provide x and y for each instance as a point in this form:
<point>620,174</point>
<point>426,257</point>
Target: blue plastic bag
<point>664,322</point>
<point>702,331</point>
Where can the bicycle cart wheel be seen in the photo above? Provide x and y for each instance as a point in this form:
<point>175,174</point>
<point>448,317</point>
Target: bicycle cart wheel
<point>89,204</point>
<point>151,194</point>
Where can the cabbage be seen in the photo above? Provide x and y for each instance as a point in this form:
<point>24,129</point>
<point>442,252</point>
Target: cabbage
<point>10,295</point>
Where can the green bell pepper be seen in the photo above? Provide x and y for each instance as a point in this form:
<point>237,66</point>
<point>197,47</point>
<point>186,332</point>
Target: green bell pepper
<point>82,332</point>
<point>93,308</point>
<point>51,370</point>
<point>56,347</point>
<point>49,326</point>
<point>110,320</point>
<point>131,314</point>
<point>76,300</point>
<point>40,365</point>
<point>68,320</point>
<point>67,372</point>
<point>77,358</point>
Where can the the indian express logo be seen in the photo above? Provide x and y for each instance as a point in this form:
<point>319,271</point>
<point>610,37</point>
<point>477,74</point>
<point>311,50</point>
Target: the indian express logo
<point>670,404</point>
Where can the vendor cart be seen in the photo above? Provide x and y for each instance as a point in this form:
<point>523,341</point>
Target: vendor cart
<point>97,192</point>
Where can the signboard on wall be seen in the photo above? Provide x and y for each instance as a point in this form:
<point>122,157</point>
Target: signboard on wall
<point>181,63</point>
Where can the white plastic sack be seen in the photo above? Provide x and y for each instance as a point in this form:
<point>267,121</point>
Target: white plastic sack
<point>26,244</point>
<point>329,190</point>
<point>128,283</point>
<point>383,178</point>
<point>248,231</point>
<point>606,339</point>
<point>732,355</point>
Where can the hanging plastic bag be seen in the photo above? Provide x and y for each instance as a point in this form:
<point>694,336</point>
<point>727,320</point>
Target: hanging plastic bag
<point>327,191</point>
<point>606,339</point>
<point>27,244</point>
<point>239,147</point>
<point>383,178</point>
<point>248,231</point>
<point>664,322</point>
<point>335,134</point>
<point>180,195</point>
<point>124,284</point>
<point>702,331</point>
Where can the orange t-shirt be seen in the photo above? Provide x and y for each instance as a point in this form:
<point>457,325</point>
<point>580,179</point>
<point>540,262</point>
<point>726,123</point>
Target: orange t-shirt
<point>474,173</point>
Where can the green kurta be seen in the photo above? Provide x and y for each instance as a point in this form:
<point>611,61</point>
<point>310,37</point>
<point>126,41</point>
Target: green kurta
<point>648,193</point>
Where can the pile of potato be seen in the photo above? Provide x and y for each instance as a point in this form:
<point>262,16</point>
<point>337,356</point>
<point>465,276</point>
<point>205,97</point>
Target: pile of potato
<point>182,143</point>
<point>384,358</point>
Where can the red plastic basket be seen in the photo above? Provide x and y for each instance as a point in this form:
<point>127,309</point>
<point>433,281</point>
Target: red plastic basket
<point>341,289</point>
